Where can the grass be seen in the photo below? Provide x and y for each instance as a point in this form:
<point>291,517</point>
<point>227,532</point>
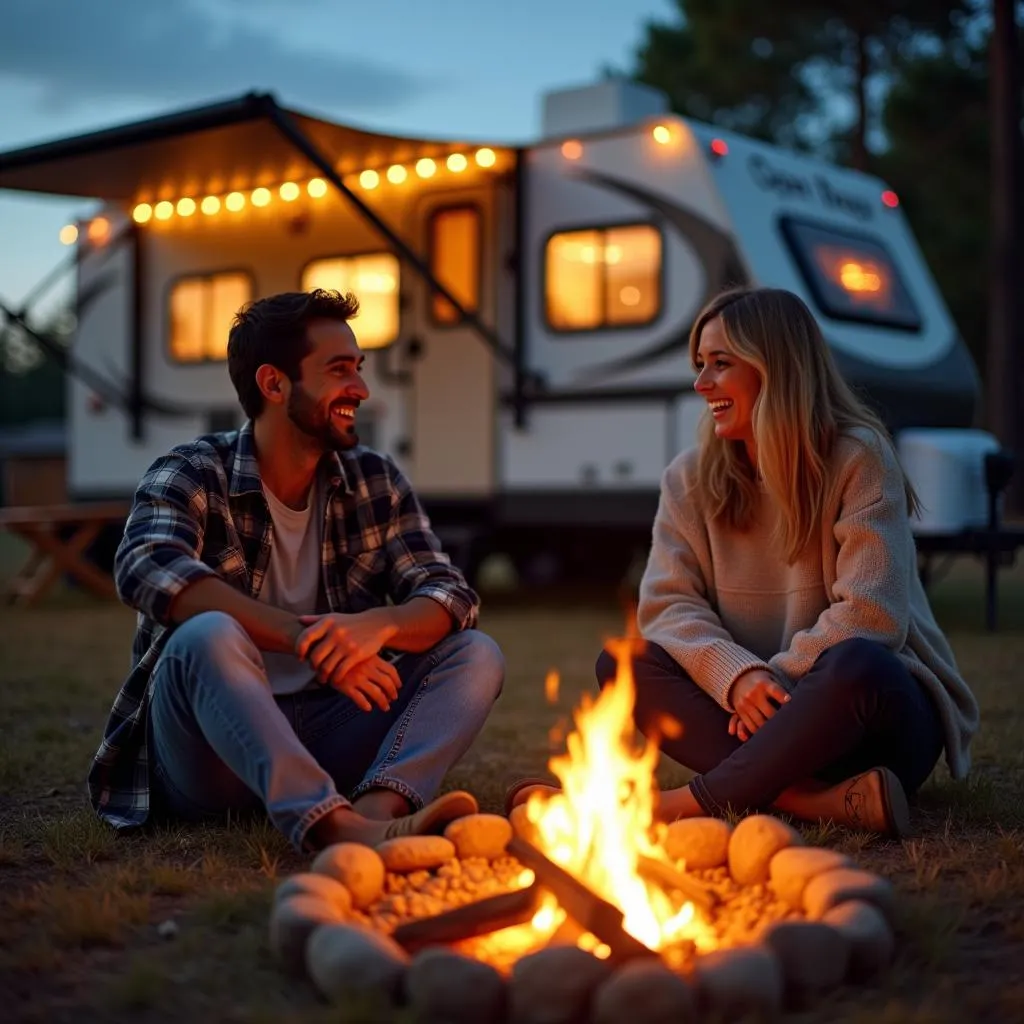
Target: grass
<point>81,908</point>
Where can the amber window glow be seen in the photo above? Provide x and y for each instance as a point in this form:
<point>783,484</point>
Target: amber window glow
<point>864,280</point>
<point>603,277</point>
<point>201,311</point>
<point>455,260</point>
<point>374,279</point>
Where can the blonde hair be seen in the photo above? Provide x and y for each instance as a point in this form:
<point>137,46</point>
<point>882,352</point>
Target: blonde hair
<point>803,407</point>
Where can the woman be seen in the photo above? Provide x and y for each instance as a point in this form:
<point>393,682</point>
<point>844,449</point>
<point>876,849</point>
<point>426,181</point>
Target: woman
<point>784,625</point>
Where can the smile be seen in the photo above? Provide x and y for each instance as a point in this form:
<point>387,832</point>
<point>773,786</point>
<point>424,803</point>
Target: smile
<point>345,412</point>
<point>719,405</point>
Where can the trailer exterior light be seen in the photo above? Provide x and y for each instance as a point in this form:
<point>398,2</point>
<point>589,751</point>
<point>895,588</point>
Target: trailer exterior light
<point>397,174</point>
<point>99,230</point>
<point>210,205</point>
<point>163,210</point>
<point>457,162</point>
<point>260,196</point>
<point>369,179</point>
<point>142,213</point>
<point>289,191</point>
<point>186,207</point>
<point>68,234</point>
<point>890,199</point>
<point>661,134</point>
<point>317,188</point>
<point>719,147</point>
<point>425,167</point>
<point>485,157</point>
<point>235,202</point>
<point>572,149</point>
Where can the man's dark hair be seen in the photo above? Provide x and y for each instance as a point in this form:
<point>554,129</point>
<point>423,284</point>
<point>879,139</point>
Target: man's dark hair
<point>273,330</point>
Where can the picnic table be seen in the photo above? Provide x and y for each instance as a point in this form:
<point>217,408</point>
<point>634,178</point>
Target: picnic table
<point>59,537</point>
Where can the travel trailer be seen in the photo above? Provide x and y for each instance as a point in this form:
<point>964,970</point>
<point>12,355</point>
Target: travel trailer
<point>525,308</point>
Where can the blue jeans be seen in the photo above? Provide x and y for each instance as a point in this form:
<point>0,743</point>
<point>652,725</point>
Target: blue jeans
<point>857,708</point>
<point>220,741</point>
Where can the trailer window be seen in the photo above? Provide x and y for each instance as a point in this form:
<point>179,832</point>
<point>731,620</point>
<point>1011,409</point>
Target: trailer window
<point>851,276</point>
<point>202,309</point>
<point>374,280</point>
<point>455,260</point>
<point>603,277</point>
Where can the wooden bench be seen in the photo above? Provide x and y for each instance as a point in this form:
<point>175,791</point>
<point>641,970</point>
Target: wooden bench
<point>58,536</point>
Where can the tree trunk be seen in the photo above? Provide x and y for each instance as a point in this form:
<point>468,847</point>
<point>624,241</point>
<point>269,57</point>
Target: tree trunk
<point>859,156</point>
<point>1005,358</point>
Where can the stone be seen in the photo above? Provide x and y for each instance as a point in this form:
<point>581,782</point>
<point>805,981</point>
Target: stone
<point>322,886</point>
<point>754,841</point>
<point>444,987</point>
<point>349,962</point>
<point>643,990</point>
<point>480,835</point>
<point>415,853</point>
<point>521,824</point>
<point>555,986</point>
<point>167,929</point>
<point>737,982</point>
<point>292,921</point>
<point>702,842</point>
<point>359,868</point>
<point>792,868</point>
<point>831,888</point>
<point>865,928</point>
<point>813,957</point>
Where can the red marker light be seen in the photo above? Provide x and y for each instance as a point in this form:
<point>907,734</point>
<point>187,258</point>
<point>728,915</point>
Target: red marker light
<point>719,147</point>
<point>890,199</point>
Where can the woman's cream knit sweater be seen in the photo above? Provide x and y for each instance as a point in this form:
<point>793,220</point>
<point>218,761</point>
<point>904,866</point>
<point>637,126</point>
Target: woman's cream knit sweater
<point>721,601</point>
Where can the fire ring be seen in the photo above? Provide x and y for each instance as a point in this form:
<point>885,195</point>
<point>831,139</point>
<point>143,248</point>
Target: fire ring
<point>581,907</point>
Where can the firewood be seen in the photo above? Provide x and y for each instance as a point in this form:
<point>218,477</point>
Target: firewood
<point>472,920</point>
<point>668,877</point>
<point>591,913</point>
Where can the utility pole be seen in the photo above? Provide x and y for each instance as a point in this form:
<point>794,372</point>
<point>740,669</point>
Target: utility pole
<point>1005,357</point>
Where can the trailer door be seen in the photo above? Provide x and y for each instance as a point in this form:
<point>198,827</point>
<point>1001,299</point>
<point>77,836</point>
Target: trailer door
<point>453,396</point>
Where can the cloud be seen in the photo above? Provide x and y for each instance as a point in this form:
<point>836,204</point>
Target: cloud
<point>76,52</point>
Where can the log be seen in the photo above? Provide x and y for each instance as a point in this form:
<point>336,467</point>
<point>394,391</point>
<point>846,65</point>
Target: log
<point>470,921</point>
<point>668,877</point>
<point>592,913</point>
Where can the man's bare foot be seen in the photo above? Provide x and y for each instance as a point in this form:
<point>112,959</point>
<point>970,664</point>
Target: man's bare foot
<point>346,825</point>
<point>382,805</point>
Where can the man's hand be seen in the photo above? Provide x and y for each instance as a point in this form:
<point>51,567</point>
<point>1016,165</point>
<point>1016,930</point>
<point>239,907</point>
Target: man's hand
<point>752,695</point>
<point>373,680</point>
<point>334,644</point>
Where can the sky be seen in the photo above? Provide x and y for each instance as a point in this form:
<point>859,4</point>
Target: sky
<point>465,68</point>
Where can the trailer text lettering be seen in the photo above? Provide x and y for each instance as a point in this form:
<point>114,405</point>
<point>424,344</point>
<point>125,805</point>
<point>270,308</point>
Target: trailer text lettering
<point>796,186</point>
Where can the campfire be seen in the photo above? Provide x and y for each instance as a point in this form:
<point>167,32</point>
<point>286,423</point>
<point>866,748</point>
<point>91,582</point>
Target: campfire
<point>584,898</point>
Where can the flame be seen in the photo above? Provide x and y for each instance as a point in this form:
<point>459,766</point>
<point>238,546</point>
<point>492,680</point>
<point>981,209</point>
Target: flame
<point>603,820</point>
<point>551,687</point>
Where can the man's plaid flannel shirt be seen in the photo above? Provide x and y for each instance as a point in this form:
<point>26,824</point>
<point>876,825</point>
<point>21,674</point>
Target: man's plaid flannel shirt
<point>200,511</point>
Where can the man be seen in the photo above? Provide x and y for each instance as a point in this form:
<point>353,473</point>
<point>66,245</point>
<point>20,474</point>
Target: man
<point>302,641</point>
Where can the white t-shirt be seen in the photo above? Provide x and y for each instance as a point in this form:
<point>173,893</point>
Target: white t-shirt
<point>292,580</point>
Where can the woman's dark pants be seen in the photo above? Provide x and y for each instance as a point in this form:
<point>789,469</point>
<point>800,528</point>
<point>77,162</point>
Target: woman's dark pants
<point>858,707</point>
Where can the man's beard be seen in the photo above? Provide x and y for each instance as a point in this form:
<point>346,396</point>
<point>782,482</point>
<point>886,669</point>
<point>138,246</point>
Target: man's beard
<point>317,423</point>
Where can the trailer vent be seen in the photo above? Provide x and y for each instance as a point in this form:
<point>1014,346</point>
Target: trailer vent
<point>602,106</point>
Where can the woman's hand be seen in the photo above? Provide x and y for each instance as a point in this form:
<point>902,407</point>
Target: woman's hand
<point>752,695</point>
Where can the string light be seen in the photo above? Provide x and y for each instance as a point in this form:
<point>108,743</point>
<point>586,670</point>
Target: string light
<point>289,191</point>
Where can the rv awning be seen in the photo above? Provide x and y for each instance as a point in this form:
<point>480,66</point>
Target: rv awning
<point>209,149</point>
